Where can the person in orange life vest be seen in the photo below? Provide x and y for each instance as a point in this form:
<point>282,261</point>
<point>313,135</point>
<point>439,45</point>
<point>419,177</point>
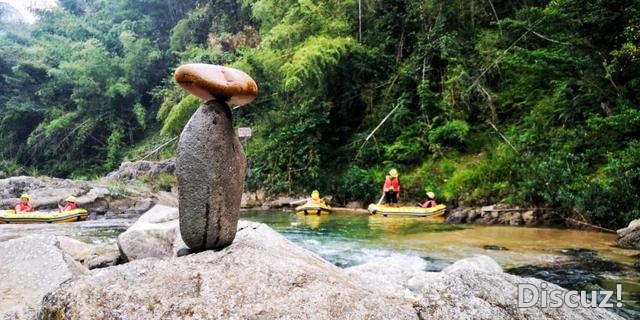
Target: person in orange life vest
<point>391,188</point>
<point>315,198</point>
<point>70,204</point>
<point>24,205</point>
<point>430,202</point>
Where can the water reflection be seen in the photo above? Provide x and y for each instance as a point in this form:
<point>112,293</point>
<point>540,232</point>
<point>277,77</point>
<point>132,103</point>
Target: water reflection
<point>312,222</point>
<point>397,225</point>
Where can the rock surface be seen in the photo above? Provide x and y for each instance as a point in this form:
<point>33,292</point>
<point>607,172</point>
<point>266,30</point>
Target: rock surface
<point>629,237</point>
<point>471,288</point>
<point>210,168</point>
<point>135,170</point>
<point>31,267</point>
<point>154,235</point>
<point>260,275</point>
<point>101,197</point>
<point>477,294</point>
<point>45,192</point>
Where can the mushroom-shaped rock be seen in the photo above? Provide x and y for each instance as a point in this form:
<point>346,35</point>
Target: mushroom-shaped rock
<point>210,164</point>
<point>212,82</point>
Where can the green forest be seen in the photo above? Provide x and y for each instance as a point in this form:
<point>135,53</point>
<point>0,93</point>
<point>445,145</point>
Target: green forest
<point>530,102</point>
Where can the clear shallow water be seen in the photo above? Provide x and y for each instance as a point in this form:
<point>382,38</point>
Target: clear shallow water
<point>576,260</point>
<point>95,231</point>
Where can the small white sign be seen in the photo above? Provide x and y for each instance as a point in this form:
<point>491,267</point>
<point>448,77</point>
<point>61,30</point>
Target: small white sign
<point>244,132</point>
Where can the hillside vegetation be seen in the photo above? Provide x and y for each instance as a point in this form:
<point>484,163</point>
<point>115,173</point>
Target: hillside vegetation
<point>526,102</point>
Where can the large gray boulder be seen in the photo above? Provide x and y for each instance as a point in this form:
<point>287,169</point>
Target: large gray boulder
<point>154,235</point>
<point>261,275</point>
<point>45,192</point>
<point>471,288</point>
<point>210,168</point>
<point>96,196</point>
<point>31,267</point>
<point>629,237</point>
<point>134,170</point>
<point>476,294</point>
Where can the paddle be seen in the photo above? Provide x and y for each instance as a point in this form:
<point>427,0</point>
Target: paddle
<point>299,201</point>
<point>378,204</point>
<point>380,201</point>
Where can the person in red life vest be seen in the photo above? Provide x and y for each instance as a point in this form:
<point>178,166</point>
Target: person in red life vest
<point>430,202</point>
<point>70,204</point>
<point>24,205</point>
<point>391,188</point>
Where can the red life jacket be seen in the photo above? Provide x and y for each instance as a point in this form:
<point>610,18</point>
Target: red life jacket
<point>22,207</point>
<point>391,183</point>
<point>70,206</point>
<point>429,203</point>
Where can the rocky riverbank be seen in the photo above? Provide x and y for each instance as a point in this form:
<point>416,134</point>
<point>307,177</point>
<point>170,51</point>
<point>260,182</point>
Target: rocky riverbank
<point>260,275</point>
<point>136,186</point>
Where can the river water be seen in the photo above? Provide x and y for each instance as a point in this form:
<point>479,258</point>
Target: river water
<point>576,260</point>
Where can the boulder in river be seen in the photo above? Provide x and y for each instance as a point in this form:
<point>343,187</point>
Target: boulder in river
<point>629,237</point>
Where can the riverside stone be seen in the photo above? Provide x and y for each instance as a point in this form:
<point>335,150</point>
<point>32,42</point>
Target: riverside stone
<point>211,165</point>
<point>261,275</point>
<point>31,267</point>
<point>210,168</point>
<point>629,237</point>
<point>154,235</point>
<point>212,82</point>
<point>471,288</point>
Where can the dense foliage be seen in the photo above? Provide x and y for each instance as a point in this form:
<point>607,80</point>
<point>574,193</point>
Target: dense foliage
<point>526,102</point>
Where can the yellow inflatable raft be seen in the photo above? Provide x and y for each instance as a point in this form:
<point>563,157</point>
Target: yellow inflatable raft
<point>10,216</point>
<point>384,210</point>
<point>315,209</point>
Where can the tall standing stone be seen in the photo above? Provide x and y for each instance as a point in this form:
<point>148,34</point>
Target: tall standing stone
<point>211,165</point>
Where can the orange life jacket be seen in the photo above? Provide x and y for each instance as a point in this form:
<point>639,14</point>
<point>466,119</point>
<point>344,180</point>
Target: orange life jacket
<point>391,183</point>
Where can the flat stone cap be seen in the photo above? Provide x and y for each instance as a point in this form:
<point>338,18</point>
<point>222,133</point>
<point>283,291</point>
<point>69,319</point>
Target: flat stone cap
<point>213,82</point>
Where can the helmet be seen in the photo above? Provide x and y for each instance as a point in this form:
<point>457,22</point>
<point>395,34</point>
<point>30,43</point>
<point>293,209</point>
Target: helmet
<point>431,195</point>
<point>25,196</point>
<point>393,173</point>
<point>315,195</point>
<point>70,199</point>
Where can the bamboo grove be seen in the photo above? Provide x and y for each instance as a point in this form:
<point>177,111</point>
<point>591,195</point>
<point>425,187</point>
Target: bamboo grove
<point>527,102</point>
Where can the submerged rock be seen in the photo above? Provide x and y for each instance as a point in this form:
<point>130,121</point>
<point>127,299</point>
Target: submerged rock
<point>578,272</point>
